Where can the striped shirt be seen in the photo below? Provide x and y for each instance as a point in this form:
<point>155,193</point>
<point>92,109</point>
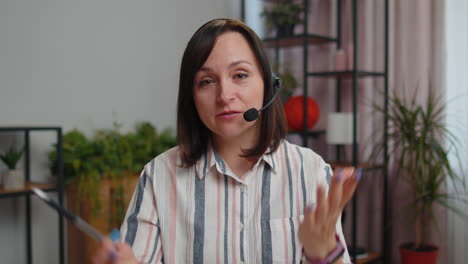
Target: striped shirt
<point>206,214</point>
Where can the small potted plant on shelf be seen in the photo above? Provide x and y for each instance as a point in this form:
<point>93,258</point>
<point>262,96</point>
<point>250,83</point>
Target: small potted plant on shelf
<point>283,17</point>
<point>420,145</point>
<point>13,178</point>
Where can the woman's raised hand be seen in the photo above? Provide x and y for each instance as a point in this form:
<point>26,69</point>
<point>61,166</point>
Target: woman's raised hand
<point>317,231</point>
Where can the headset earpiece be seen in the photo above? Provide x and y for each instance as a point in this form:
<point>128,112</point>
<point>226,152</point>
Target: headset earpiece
<point>276,84</point>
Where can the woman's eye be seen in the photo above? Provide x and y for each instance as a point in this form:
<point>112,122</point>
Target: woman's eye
<point>205,82</point>
<point>241,75</point>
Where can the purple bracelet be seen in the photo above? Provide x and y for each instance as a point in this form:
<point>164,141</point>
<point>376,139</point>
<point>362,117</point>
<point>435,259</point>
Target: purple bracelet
<point>331,257</point>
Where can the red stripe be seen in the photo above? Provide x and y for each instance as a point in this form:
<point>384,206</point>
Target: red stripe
<point>298,173</point>
<point>234,222</point>
<point>190,230</point>
<point>257,212</point>
<point>149,238</point>
<point>218,215</point>
<point>159,256</point>
<point>172,206</point>
<point>283,200</point>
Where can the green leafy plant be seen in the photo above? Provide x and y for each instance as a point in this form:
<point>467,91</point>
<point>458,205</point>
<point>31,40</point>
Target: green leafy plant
<point>283,17</point>
<point>289,81</point>
<point>147,142</point>
<point>109,154</point>
<point>11,158</point>
<point>420,144</point>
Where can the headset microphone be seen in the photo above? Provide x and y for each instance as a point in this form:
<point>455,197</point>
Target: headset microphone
<point>252,114</point>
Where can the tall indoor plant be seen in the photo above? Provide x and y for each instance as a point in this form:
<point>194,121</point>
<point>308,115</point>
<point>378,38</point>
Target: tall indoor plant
<point>419,145</point>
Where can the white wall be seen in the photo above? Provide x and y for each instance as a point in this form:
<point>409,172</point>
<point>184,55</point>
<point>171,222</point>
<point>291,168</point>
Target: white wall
<point>456,35</point>
<point>84,64</point>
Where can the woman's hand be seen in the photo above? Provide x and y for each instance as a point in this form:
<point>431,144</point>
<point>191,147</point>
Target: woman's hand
<point>118,253</point>
<point>317,231</point>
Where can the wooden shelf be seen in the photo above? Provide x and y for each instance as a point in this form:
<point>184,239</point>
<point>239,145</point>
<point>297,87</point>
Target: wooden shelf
<point>371,256</point>
<point>362,165</point>
<point>271,1</point>
<point>27,128</point>
<point>27,188</point>
<point>345,74</point>
<point>310,133</point>
<point>297,41</point>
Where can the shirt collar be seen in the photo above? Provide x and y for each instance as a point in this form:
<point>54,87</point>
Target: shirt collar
<point>211,158</point>
<point>271,158</point>
<point>205,163</point>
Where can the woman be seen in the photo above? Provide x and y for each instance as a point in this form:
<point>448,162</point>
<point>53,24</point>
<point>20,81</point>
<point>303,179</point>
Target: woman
<point>233,191</point>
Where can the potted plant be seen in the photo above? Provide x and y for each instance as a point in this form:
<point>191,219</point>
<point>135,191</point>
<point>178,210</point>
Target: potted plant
<point>13,178</point>
<point>283,17</point>
<point>102,172</point>
<point>289,81</point>
<point>419,145</point>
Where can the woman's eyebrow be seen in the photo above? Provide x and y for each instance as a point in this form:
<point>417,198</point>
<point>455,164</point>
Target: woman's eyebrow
<point>231,65</point>
<point>235,63</point>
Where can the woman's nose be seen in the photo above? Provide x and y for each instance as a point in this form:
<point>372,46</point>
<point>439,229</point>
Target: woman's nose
<point>225,92</point>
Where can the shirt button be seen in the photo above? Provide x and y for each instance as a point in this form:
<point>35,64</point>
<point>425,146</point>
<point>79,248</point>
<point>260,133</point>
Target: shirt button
<point>241,226</point>
<point>242,189</point>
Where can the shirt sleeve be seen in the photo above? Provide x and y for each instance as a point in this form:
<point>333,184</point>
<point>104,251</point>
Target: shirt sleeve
<point>324,176</point>
<point>141,228</point>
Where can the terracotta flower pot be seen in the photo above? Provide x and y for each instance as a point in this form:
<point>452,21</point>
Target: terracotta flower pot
<point>426,255</point>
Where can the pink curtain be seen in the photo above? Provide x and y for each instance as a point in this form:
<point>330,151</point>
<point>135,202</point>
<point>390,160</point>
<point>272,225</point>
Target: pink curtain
<point>415,60</point>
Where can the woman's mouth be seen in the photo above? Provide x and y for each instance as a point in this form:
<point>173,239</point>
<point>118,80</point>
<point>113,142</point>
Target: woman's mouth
<point>227,115</point>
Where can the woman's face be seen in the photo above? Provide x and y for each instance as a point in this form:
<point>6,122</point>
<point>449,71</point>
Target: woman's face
<point>228,84</point>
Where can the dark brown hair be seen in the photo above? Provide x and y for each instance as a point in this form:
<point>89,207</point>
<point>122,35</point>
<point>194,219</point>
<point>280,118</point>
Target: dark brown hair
<point>192,135</point>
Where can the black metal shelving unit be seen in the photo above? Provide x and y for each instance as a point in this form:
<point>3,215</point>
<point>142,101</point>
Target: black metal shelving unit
<point>26,191</point>
<point>305,40</point>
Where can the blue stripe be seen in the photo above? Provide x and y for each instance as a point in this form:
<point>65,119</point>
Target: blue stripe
<point>304,190</point>
<point>328,172</point>
<point>204,166</point>
<point>241,240</point>
<point>226,211</point>
<point>220,162</point>
<point>199,220</point>
<point>156,242</point>
<point>291,203</point>
<point>132,222</point>
<point>267,256</point>
<point>272,161</point>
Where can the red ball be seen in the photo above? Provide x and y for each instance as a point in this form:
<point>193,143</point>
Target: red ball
<point>294,109</point>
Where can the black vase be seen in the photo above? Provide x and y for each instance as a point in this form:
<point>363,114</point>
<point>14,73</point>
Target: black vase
<point>285,30</point>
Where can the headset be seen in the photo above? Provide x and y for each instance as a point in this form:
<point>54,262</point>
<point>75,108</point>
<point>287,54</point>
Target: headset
<point>252,114</point>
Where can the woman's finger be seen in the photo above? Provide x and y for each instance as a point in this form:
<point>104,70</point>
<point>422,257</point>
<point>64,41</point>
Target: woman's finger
<point>321,211</point>
<point>125,254</point>
<point>106,252</point>
<point>349,187</point>
<point>309,215</point>
<point>335,192</point>
<point>348,173</point>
